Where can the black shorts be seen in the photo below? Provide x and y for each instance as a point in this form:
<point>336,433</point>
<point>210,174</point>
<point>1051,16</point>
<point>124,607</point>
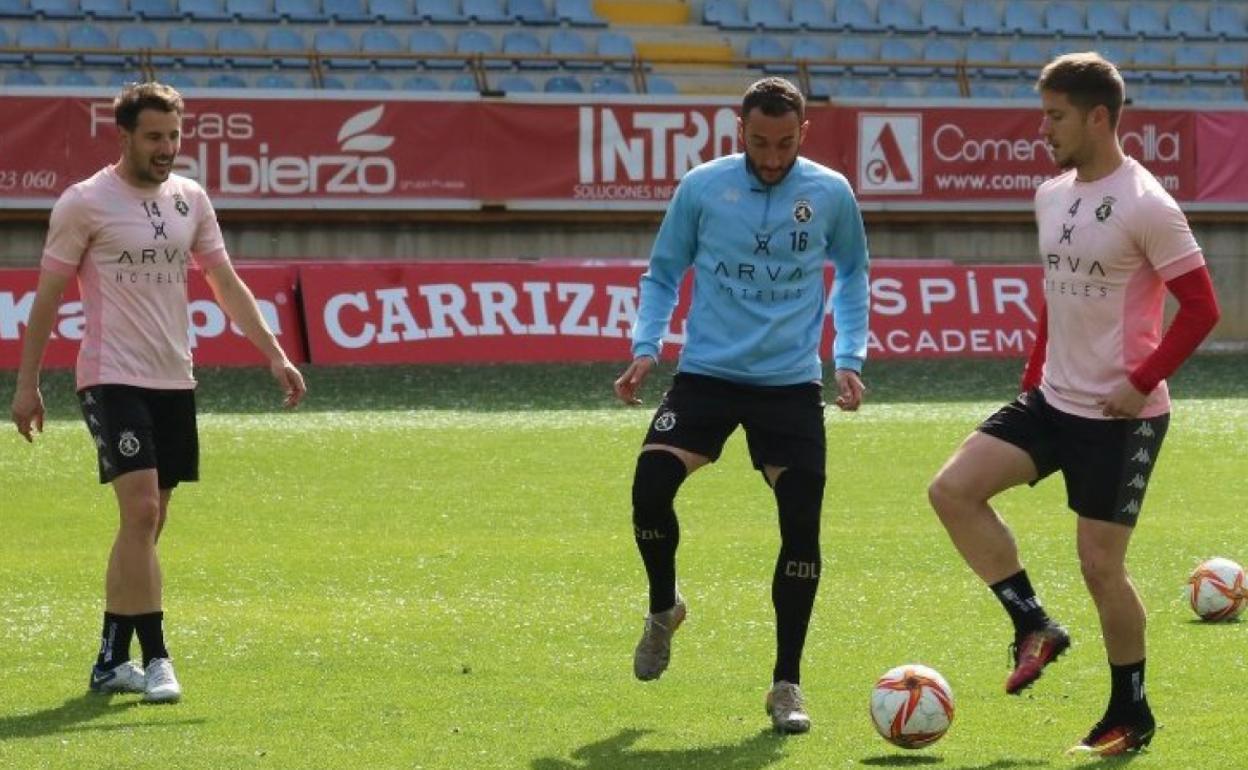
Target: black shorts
<point>1106,463</point>
<point>783,424</point>
<point>139,428</point>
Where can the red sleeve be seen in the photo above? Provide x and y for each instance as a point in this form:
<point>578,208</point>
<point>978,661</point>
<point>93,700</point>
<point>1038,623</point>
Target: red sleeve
<point>1198,314</point>
<point>1035,362</point>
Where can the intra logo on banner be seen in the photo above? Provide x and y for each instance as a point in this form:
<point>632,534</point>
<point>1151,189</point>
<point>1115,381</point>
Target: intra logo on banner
<point>614,146</point>
<point>890,156</point>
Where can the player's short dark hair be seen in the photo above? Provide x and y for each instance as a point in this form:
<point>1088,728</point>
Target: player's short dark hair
<point>1088,80</point>
<point>774,97</point>
<point>136,97</point>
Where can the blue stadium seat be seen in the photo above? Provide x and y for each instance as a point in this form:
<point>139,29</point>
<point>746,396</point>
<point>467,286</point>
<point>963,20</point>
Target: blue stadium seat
<point>516,84</point>
<point>768,14</point>
<point>520,43</point>
<point>813,48</point>
<point>899,89</point>
<point>1023,18</point>
<point>372,81</point>
<point>981,16</point>
<point>279,40</point>
<point>382,41</point>
<point>941,17</point>
<point>725,14</point>
<point>567,42</point>
<point>986,53</point>
<point>17,9</point>
<point>241,40</point>
<point>179,80</point>
<point>486,11</point>
<point>346,11</point>
<point>657,84</point>
<point>1065,19</point>
<point>225,80</point>
<point>75,78</point>
<point>88,35</point>
<point>1188,23</point>
<point>427,41</point>
<point>812,15</point>
<point>474,41</point>
<point>563,84</point>
<point>1149,54</point>
<point>1146,21</point>
<point>578,13</point>
<point>105,10</point>
<point>1105,21</point>
<point>189,38</point>
<point>944,50</point>
<point>1194,56</point>
<point>331,83</point>
<point>203,10</point>
<point>608,84</point>
<point>1231,56</point>
<point>275,80</point>
<point>42,36</point>
<point>1226,22</point>
<point>1116,53</point>
<point>307,11</point>
<point>1030,56</point>
<point>982,90</point>
<point>19,77</point>
<point>616,44</point>
<point>941,89</point>
<point>5,42</point>
<point>331,41</point>
<point>530,12</point>
<point>55,9</point>
<point>859,49</point>
<point>440,11</point>
<point>1150,93</point>
<point>855,16</point>
<point>154,10</point>
<point>897,49</point>
<point>1023,91</point>
<point>118,78</point>
<point>899,16</point>
<point>464,84</point>
<point>251,10</point>
<point>762,46</point>
<point>393,11</point>
<point>855,89</point>
<point>421,83</point>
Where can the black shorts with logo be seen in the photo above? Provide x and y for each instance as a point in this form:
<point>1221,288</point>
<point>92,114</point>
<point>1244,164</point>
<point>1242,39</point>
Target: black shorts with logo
<point>139,428</point>
<point>783,424</point>
<point>1106,463</point>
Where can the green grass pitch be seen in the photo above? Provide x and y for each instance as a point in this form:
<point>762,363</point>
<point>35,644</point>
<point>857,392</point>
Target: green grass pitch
<point>434,568</point>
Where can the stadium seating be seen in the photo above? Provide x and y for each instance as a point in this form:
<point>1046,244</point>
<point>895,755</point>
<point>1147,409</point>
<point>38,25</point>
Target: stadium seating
<point>279,40</point>
<point>980,16</point>
<point>813,16</point>
<point>373,81</point>
<point>431,41</point>
<point>898,16</point>
<point>1022,18</point>
<point>940,17</point>
<point>55,9</point>
<point>855,15</point>
<point>518,84</point>
<point>393,11</point>
<point>421,83</point>
<point>105,10</point>
<point>188,38</point>
<point>1226,22</point>
<point>1065,19</point>
<point>1145,21</point>
<point>275,80</point>
<point>519,43</point>
<point>382,41</point>
<point>154,10</point>
<point>260,11</point>
<point>346,11</point>
<point>203,10</point>
<point>563,84</point>
<point>768,14</point>
<point>87,35</point>
<point>1105,20</point>
<point>608,84</point>
<point>578,13</point>
<point>1187,23</point>
<point>567,42</point>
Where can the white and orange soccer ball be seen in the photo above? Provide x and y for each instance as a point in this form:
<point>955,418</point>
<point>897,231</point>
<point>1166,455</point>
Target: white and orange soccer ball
<point>912,706</point>
<point>1216,590</point>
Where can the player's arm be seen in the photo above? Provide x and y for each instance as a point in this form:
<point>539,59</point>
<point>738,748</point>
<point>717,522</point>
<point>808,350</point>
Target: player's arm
<point>27,409</point>
<point>1198,314</point>
<point>240,305</point>
<point>1034,371</point>
<point>851,298</point>
<point>659,289</point>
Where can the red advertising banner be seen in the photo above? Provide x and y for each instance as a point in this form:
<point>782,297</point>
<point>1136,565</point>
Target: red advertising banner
<point>214,340</point>
<point>514,312</point>
<point>404,153</point>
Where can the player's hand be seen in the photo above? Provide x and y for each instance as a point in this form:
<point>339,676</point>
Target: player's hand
<point>1125,402</point>
<point>851,390</point>
<point>290,381</point>
<point>628,383</point>
<point>27,411</point>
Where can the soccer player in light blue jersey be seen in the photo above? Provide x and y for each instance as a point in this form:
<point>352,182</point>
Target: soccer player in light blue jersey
<point>756,228</point>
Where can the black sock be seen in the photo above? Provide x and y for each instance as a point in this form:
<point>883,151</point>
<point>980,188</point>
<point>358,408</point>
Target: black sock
<point>114,641</point>
<point>799,497</point>
<point>1126,695</point>
<point>1019,599</point>
<point>151,636</point>
<point>657,533</point>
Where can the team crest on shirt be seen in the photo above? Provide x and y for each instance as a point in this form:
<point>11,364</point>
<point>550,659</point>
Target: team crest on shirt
<point>128,444</point>
<point>1106,208</point>
<point>180,204</point>
<point>731,195</point>
<point>665,421</point>
<point>802,212</point>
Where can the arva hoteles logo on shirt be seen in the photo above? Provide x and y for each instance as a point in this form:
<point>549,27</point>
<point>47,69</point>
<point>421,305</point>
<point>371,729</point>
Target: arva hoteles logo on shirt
<point>165,265</point>
<point>1069,276</point>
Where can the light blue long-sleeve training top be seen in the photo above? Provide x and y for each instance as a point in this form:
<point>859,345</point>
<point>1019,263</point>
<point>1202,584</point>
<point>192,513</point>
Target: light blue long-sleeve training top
<point>757,253</point>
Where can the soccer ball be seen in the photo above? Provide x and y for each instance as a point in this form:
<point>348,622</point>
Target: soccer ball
<point>911,706</point>
<point>1216,590</point>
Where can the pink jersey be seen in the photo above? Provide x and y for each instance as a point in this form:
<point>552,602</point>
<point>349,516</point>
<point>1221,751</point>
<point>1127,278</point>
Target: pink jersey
<point>130,248</point>
<point>1108,248</point>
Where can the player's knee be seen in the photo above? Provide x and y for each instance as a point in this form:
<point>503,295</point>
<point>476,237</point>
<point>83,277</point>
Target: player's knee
<point>1101,572</point>
<point>140,513</point>
<point>946,494</point>
<point>658,476</point>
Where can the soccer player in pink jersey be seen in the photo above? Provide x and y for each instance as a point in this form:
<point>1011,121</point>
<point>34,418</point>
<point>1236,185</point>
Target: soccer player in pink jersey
<point>129,234</point>
<point>1094,403</point>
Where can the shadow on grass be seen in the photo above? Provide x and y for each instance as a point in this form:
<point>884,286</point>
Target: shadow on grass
<point>617,753</point>
<point>74,715</point>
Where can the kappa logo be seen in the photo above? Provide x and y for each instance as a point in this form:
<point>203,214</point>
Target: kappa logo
<point>1132,508</point>
<point>1144,430</point>
<point>1138,482</point>
<point>802,212</point>
<point>128,444</point>
<point>1141,456</point>
<point>665,422</point>
<point>890,156</point>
